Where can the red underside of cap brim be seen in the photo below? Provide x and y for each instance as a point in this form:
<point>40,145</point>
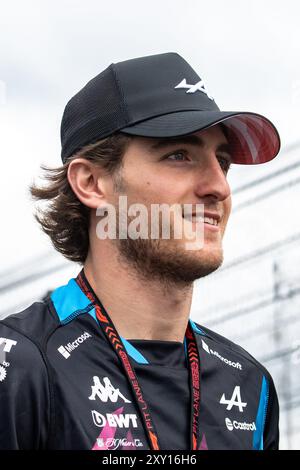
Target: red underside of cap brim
<point>253,139</point>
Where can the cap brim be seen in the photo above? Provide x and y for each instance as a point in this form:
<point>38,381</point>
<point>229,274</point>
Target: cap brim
<point>253,139</point>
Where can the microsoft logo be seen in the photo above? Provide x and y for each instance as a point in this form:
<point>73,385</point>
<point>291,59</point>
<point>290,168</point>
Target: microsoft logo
<point>64,352</point>
<point>67,349</point>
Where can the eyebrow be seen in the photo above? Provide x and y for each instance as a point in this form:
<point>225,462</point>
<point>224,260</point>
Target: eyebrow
<point>184,140</point>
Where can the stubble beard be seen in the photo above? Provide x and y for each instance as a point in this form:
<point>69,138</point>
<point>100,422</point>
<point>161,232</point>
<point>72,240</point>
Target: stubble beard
<point>162,261</point>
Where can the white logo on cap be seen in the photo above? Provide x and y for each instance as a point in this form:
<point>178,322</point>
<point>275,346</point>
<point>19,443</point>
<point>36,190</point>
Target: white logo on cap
<point>199,86</point>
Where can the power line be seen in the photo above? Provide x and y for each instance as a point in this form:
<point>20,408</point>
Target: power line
<point>32,277</point>
<point>277,355</point>
<point>36,260</point>
<point>274,174</point>
<point>260,330</point>
<point>265,178</point>
<point>261,252</point>
<point>250,257</point>
<point>289,405</point>
<point>259,305</point>
<point>267,194</point>
<point>224,305</point>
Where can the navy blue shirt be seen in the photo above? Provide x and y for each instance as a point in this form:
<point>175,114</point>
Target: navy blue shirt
<point>63,387</point>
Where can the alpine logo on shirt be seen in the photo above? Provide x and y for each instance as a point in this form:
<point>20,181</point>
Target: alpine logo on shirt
<point>106,391</point>
<point>235,400</point>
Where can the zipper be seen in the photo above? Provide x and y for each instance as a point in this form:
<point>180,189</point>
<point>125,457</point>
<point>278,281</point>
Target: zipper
<point>266,407</point>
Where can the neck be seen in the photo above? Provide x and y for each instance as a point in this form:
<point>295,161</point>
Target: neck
<point>138,309</point>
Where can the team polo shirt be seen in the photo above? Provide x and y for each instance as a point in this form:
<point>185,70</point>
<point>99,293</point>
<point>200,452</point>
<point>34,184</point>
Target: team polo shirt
<point>62,386</point>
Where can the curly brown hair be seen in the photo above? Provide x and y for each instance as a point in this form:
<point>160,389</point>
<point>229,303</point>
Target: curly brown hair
<point>65,219</point>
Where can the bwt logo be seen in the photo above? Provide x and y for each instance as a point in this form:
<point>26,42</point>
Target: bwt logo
<point>5,347</point>
<point>114,420</point>
<point>8,344</point>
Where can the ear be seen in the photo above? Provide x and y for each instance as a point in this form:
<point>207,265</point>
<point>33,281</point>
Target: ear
<point>88,182</point>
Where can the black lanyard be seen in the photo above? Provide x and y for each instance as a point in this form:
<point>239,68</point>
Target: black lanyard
<point>116,343</point>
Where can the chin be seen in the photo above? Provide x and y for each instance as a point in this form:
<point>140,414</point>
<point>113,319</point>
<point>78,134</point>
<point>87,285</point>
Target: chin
<point>161,261</point>
<point>196,265</point>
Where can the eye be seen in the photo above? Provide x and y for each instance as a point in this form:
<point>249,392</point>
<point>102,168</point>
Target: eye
<point>225,163</point>
<point>178,156</point>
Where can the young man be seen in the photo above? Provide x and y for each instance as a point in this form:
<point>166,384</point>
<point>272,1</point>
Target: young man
<point>111,360</point>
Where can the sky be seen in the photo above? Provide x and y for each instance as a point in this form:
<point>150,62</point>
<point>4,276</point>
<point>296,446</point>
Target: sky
<point>246,52</point>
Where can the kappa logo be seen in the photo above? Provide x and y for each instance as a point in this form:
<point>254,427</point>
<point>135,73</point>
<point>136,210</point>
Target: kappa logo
<point>235,400</point>
<point>114,420</point>
<point>206,348</point>
<point>199,86</point>
<point>106,392</point>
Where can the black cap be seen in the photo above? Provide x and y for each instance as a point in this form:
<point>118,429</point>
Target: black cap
<point>160,96</point>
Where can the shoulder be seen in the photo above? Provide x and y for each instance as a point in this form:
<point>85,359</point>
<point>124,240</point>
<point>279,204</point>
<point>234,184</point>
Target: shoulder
<point>25,388</point>
<point>23,336</point>
<point>34,322</point>
<point>23,339</point>
<point>230,345</point>
<point>255,376</point>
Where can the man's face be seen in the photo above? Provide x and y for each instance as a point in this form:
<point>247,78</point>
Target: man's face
<point>157,171</point>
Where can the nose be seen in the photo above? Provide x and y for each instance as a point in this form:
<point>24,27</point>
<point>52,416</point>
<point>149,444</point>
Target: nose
<point>211,180</point>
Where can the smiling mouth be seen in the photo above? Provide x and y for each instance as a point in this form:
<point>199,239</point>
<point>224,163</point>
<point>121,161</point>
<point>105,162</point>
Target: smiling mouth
<point>200,219</point>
